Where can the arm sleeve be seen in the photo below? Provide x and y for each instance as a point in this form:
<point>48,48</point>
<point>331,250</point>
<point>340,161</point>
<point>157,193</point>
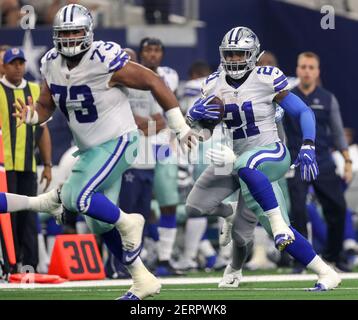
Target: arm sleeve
<point>295,107</point>
<point>336,126</point>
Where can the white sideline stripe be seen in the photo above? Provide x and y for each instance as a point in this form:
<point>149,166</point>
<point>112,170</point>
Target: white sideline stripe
<point>173,281</point>
<point>191,289</point>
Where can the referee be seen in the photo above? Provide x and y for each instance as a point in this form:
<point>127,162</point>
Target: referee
<point>329,135</point>
<point>19,157</point>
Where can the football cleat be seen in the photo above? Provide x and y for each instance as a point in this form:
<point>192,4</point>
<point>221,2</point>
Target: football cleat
<point>49,202</point>
<point>145,284</point>
<point>131,234</point>
<point>128,296</point>
<point>327,281</point>
<point>231,278</point>
<point>185,264</point>
<point>282,240</point>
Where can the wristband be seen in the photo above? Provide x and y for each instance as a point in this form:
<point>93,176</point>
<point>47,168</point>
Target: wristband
<point>32,120</point>
<point>176,121</point>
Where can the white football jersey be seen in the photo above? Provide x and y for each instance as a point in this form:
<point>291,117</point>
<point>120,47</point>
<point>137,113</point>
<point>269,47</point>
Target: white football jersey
<point>171,79</point>
<point>191,93</point>
<point>96,112</point>
<point>249,109</point>
<point>144,105</point>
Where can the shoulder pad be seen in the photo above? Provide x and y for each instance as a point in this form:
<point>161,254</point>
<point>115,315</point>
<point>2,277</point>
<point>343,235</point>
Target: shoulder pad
<point>273,77</point>
<point>110,54</point>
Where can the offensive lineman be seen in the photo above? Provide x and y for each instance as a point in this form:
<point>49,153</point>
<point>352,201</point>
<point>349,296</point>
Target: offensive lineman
<point>258,157</point>
<point>83,78</point>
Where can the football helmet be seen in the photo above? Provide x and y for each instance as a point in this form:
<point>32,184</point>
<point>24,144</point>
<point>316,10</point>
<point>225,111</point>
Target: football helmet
<point>69,18</point>
<point>239,51</point>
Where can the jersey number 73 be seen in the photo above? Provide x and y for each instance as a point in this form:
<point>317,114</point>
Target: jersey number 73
<point>87,113</point>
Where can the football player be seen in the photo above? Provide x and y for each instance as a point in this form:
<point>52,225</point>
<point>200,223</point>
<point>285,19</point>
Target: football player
<point>258,159</point>
<point>85,79</point>
<point>151,52</point>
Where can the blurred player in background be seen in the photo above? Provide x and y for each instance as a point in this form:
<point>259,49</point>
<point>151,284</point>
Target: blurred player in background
<point>151,52</point>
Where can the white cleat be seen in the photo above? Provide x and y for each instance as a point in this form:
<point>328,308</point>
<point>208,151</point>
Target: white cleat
<point>131,234</point>
<point>327,281</point>
<point>48,202</point>
<point>145,284</point>
<point>185,264</point>
<point>231,278</point>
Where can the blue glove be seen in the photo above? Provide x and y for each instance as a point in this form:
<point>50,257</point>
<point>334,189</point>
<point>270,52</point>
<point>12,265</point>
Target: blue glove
<point>307,160</point>
<point>200,110</point>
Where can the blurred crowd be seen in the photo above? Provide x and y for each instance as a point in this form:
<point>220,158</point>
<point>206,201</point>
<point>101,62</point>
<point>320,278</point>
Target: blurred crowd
<point>154,11</point>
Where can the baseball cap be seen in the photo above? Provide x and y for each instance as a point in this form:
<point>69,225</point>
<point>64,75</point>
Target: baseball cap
<point>12,54</point>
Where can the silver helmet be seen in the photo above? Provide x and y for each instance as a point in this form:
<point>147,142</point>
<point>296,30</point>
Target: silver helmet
<point>243,42</point>
<point>70,18</point>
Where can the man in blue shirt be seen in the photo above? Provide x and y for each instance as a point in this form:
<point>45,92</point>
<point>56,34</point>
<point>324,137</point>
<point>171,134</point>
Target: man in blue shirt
<point>329,135</point>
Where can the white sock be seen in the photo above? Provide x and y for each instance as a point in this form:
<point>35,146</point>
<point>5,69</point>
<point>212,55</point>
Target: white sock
<point>136,268</point>
<point>17,202</point>
<point>50,244</point>
<point>349,244</point>
<point>206,248</point>
<point>259,248</point>
<point>82,228</point>
<point>43,256</point>
<point>277,222</point>
<point>194,230</point>
<point>318,266</point>
<point>122,220</point>
<point>166,242</point>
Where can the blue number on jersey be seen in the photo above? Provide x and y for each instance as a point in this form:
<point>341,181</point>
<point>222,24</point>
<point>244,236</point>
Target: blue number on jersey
<point>88,113</point>
<point>108,46</point>
<point>236,121</point>
<point>265,70</point>
<point>51,55</point>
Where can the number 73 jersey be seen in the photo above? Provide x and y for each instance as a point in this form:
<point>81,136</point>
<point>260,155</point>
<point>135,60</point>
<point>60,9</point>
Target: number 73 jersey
<point>249,109</point>
<point>96,113</point>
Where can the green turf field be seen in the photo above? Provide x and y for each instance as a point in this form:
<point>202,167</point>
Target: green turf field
<point>255,290</point>
<point>247,291</point>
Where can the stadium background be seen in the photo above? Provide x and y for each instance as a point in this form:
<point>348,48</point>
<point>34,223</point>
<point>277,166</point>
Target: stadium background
<point>283,28</point>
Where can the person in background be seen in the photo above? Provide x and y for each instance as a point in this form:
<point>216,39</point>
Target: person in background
<point>330,134</point>
<point>3,49</point>
<point>151,53</point>
<point>19,153</point>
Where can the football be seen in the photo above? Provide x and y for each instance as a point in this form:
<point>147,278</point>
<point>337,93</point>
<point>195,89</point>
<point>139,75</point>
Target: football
<point>211,124</point>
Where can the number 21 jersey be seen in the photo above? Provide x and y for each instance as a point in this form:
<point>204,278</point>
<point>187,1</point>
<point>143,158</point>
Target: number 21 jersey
<point>249,109</point>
